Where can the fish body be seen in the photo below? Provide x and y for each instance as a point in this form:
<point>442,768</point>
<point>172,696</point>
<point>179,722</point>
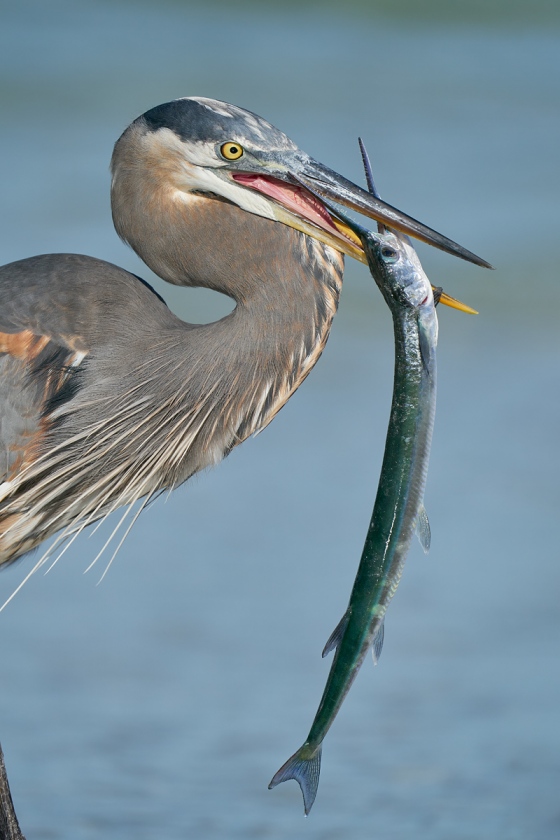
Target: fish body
<point>398,508</point>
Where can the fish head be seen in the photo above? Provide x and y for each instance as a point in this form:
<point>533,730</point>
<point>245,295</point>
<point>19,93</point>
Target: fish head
<point>396,269</point>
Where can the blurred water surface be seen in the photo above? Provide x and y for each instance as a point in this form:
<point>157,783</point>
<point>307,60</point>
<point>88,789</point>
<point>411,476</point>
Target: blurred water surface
<point>160,702</point>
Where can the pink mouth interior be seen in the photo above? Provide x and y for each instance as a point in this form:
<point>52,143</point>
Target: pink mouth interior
<point>293,197</point>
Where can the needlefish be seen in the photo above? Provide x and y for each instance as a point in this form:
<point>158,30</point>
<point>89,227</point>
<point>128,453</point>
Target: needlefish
<point>398,508</point>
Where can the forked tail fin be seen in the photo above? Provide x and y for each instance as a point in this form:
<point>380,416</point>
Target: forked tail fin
<point>304,766</point>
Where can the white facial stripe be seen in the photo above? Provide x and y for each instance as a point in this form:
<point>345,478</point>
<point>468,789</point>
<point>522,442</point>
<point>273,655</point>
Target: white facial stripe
<point>199,154</point>
<point>207,180</point>
<point>188,168</point>
<point>194,167</point>
<point>202,154</point>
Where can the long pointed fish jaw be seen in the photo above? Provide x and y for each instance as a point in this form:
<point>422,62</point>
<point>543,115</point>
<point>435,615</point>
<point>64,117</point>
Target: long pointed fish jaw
<point>453,303</point>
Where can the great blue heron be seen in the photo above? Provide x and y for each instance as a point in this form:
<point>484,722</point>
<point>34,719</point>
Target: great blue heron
<point>106,397</point>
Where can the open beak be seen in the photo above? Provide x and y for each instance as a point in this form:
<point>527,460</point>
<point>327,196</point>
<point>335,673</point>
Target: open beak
<point>297,192</point>
<point>300,197</point>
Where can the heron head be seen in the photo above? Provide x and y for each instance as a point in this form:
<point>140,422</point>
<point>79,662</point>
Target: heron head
<point>202,147</point>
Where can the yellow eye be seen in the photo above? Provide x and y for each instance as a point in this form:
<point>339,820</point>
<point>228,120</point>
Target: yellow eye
<point>231,151</point>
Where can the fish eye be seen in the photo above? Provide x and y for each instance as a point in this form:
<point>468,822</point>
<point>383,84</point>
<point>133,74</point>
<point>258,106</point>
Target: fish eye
<point>389,254</point>
<point>231,151</point>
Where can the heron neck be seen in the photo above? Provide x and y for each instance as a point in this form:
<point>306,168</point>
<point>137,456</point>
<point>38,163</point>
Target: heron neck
<point>237,372</point>
<point>253,360</point>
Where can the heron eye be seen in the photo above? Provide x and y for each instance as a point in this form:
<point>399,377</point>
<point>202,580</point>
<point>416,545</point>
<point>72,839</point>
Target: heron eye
<point>231,151</point>
<point>389,255</point>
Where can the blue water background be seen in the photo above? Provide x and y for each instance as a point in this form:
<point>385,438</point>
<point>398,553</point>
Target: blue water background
<point>160,702</point>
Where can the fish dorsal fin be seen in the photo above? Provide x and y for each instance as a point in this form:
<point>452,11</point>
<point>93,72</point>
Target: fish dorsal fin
<point>334,639</point>
<point>423,531</point>
<point>378,640</point>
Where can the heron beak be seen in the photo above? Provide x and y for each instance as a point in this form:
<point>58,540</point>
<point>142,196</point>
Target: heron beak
<point>328,184</point>
<point>301,198</point>
<point>298,194</point>
<point>346,224</point>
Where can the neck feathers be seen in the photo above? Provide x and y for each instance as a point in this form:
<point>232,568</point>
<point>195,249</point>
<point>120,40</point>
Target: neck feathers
<point>249,364</point>
<point>237,373</point>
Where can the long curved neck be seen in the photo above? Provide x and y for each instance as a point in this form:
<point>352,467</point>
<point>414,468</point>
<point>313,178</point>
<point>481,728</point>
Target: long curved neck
<point>239,371</point>
<point>273,338</point>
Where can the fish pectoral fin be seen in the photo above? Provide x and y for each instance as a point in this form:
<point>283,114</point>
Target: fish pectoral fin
<point>304,766</point>
<point>423,530</point>
<point>377,645</point>
<point>334,639</point>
